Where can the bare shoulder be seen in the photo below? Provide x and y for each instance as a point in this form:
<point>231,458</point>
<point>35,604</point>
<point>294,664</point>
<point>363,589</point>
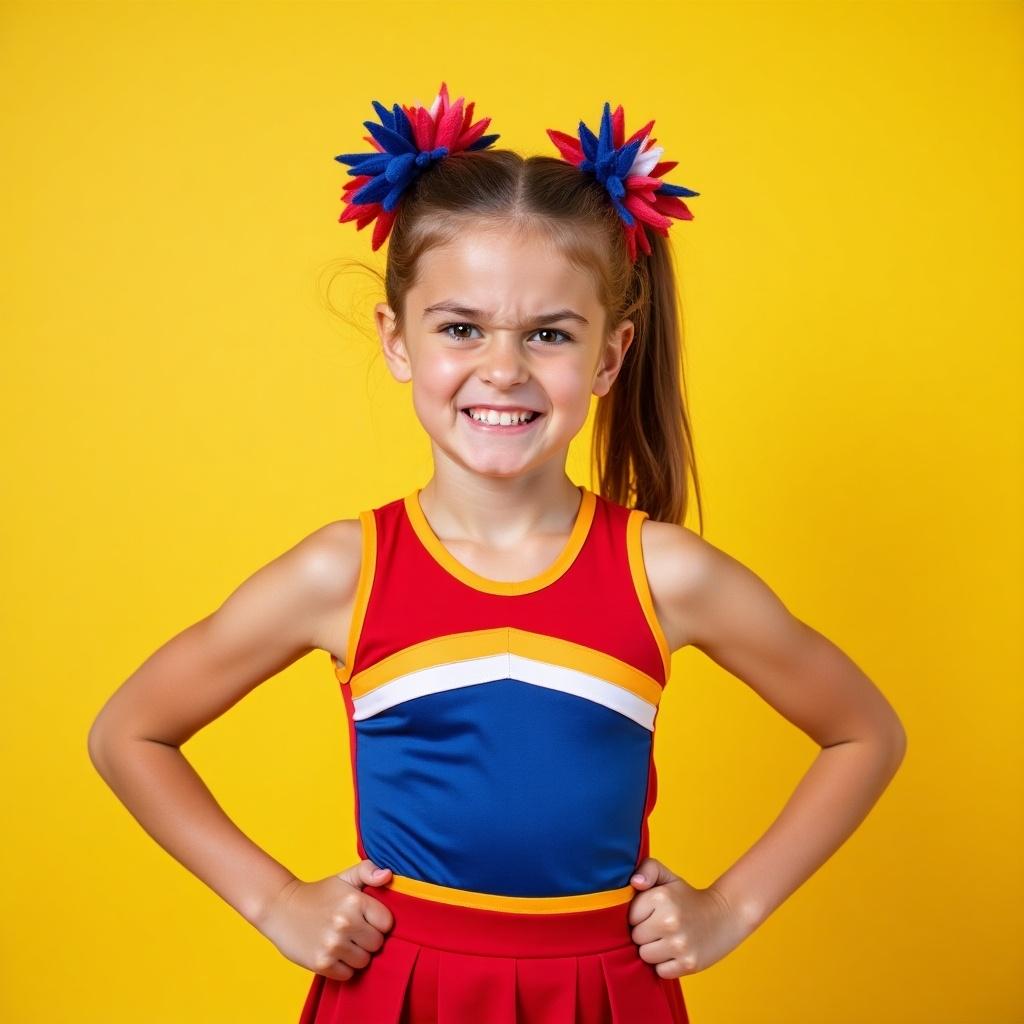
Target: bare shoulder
<point>701,592</point>
<point>291,603</point>
<point>675,558</point>
<point>327,565</point>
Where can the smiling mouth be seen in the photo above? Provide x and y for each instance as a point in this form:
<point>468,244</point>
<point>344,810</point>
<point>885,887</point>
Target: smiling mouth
<point>496,420</point>
<point>496,424</point>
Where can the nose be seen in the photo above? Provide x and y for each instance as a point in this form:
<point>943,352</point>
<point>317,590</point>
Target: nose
<point>502,362</point>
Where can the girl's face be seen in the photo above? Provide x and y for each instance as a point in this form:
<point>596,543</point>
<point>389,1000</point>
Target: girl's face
<point>499,320</point>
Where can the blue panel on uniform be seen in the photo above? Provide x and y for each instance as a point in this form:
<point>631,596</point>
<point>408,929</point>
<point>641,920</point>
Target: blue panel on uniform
<point>503,787</point>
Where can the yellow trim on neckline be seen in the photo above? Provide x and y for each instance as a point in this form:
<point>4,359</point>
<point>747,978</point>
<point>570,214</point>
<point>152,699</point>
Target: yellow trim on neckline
<point>447,561</point>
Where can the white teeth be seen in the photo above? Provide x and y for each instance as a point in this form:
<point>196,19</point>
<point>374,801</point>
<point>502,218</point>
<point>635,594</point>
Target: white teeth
<point>505,419</point>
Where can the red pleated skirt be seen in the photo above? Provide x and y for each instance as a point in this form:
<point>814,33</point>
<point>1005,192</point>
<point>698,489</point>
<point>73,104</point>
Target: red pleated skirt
<point>442,963</point>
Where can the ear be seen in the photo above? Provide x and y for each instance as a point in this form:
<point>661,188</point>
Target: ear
<point>392,343</point>
<point>612,354</point>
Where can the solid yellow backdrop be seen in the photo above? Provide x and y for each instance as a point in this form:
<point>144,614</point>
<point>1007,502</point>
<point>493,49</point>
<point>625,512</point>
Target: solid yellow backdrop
<point>180,408</point>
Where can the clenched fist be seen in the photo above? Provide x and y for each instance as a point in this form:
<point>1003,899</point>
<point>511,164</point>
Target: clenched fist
<point>678,928</point>
<point>330,926</point>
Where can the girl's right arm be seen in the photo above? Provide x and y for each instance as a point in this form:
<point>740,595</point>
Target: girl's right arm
<point>299,602</point>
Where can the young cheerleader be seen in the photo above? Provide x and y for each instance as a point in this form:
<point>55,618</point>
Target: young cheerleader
<point>501,636</point>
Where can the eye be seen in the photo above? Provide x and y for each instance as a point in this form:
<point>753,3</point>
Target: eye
<point>447,328</point>
<point>458,337</point>
<point>551,330</point>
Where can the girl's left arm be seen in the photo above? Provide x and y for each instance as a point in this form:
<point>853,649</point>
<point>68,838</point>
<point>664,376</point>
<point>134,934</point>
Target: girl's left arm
<point>710,600</point>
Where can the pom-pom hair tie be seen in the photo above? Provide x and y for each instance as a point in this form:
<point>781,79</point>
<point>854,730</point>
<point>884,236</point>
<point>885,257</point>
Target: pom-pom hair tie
<point>630,171</point>
<point>407,141</point>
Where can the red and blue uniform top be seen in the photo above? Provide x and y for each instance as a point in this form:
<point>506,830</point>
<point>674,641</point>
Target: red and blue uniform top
<point>501,733</point>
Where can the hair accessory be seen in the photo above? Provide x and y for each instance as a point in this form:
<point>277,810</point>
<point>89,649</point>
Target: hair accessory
<point>630,172</point>
<point>407,141</point>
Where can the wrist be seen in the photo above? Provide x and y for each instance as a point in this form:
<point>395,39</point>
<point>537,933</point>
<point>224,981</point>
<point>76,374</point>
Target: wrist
<point>256,904</point>
<point>746,911</point>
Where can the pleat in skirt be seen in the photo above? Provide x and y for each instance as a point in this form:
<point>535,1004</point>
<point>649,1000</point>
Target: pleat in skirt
<point>444,963</point>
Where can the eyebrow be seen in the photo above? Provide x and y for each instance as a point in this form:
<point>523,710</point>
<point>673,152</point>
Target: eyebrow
<point>451,306</point>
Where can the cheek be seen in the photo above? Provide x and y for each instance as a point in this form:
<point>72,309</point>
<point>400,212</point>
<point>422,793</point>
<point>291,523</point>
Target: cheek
<point>439,379</point>
<point>569,388</point>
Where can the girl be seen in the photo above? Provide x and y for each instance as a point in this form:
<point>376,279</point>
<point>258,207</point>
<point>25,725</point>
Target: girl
<point>502,637</point>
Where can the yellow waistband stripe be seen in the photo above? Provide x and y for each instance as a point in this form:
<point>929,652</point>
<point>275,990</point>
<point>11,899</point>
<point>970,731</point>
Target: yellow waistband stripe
<point>511,904</point>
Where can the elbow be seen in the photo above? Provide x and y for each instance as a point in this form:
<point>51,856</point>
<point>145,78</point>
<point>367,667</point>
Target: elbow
<point>895,739</point>
<point>114,736</point>
<point>100,741</point>
<point>886,741</point>
<point>95,745</point>
<point>902,744</point>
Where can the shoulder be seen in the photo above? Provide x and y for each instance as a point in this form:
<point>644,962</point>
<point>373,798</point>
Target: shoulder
<point>697,587</point>
<point>321,573</point>
<point>674,559</point>
<point>328,558</point>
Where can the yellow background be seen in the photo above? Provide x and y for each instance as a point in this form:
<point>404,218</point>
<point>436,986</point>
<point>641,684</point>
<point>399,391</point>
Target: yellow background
<point>179,408</point>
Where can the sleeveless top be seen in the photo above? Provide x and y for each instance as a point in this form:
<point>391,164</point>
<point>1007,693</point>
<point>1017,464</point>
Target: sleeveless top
<point>501,733</point>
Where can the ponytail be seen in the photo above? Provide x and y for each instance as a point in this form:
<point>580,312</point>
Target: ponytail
<point>643,448</point>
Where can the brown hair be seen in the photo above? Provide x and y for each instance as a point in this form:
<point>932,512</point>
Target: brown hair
<point>642,440</point>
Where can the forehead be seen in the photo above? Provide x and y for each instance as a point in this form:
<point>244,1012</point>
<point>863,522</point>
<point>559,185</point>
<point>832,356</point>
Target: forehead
<point>510,273</point>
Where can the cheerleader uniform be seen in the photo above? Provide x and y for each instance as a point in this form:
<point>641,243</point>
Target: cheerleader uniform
<point>501,740</point>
